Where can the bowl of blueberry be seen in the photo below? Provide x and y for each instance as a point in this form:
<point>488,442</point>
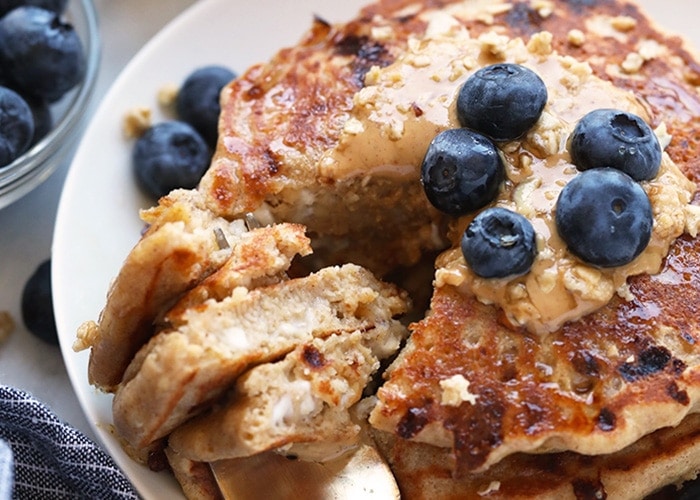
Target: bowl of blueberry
<point>49,56</point>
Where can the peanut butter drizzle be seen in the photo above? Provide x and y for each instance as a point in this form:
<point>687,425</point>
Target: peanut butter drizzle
<point>404,106</point>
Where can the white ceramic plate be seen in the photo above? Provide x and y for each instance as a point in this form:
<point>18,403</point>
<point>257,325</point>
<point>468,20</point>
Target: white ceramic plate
<point>97,222</point>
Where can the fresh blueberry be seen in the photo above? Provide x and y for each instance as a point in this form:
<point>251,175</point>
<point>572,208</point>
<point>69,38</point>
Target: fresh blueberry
<point>499,243</point>
<point>198,100</point>
<point>461,171</point>
<point>616,139</point>
<point>57,6</point>
<point>37,304</point>
<point>604,217</point>
<point>16,126</point>
<point>169,155</point>
<point>43,118</point>
<point>42,55</point>
<point>502,101</point>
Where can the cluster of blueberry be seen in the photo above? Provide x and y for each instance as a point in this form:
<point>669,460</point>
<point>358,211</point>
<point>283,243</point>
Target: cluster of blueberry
<point>41,59</point>
<point>176,153</point>
<point>462,170</point>
<point>603,215</point>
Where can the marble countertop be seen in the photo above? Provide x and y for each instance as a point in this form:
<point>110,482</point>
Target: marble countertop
<point>26,226</point>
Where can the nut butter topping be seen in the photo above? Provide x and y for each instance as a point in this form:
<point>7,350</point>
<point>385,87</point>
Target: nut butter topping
<point>403,106</point>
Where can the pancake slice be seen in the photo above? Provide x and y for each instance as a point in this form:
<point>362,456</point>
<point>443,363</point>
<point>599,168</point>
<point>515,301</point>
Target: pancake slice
<point>302,400</point>
<point>184,369</point>
<point>178,249</point>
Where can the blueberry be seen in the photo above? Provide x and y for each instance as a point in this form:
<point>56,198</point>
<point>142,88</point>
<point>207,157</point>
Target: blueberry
<point>604,217</point>
<point>42,55</point>
<point>461,171</point>
<point>616,139</point>
<point>502,101</point>
<point>16,126</point>
<point>43,118</point>
<point>499,243</point>
<point>198,100</point>
<point>37,304</point>
<point>57,6</point>
<point>169,155</point>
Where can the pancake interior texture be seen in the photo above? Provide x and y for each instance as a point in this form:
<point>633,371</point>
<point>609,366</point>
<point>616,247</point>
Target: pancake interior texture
<point>569,397</point>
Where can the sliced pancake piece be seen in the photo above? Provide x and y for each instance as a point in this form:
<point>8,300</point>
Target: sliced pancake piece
<point>179,249</point>
<point>303,399</point>
<point>195,478</point>
<point>262,256</point>
<point>183,369</point>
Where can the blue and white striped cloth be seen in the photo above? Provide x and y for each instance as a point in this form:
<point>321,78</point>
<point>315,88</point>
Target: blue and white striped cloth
<point>43,457</point>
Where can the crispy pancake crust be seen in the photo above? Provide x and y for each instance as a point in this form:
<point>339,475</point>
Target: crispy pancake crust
<point>666,457</point>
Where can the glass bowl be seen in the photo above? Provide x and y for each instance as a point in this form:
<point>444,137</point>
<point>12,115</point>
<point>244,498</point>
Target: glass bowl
<point>69,114</point>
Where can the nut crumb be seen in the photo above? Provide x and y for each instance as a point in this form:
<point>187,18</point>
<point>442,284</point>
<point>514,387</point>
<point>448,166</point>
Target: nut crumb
<point>623,23</point>
<point>650,49</point>
<point>494,44</point>
<point>137,121</point>
<point>87,335</point>
<point>167,95</point>
<point>541,43</point>
<point>576,38</point>
<point>632,63</point>
<point>7,325</point>
<point>382,33</point>
<point>544,8</point>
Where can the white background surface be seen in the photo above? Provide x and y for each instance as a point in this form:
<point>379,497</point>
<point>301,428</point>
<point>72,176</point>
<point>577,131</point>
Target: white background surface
<point>26,227</point>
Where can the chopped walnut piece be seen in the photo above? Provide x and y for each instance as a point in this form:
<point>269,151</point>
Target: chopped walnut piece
<point>632,63</point>
<point>167,95</point>
<point>576,38</point>
<point>136,121</point>
<point>623,23</point>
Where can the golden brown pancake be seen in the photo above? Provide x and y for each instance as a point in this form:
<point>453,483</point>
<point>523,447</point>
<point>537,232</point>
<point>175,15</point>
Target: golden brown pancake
<point>666,457</point>
<point>598,383</point>
<point>595,385</point>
